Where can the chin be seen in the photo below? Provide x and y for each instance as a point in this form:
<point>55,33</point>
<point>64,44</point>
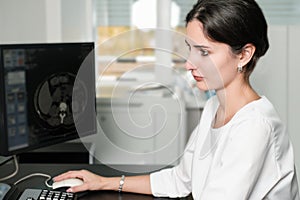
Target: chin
<point>203,86</point>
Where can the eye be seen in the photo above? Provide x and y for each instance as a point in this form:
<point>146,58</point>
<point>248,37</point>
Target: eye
<point>204,52</point>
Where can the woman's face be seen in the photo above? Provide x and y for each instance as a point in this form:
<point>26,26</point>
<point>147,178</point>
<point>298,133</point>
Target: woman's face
<point>212,64</point>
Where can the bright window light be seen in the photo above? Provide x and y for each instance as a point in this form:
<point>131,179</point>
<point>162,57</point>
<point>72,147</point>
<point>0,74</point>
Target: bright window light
<point>144,14</point>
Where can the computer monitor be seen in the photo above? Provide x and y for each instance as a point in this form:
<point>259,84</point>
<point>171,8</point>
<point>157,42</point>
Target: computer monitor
<point>47,94</point>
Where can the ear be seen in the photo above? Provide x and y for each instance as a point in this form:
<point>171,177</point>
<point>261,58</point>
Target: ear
<point>246,54</point>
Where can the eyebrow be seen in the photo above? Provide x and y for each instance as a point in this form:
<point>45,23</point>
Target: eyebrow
<point>197,46</point>
<point>201,46</point>
<point>186,42</point>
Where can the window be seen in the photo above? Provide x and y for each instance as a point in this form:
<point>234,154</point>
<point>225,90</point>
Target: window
<point>281,12</point>
<point>124,25</point>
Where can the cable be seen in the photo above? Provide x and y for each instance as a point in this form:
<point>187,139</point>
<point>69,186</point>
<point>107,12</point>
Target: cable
<point>15,172</point>
<point>26,177</point>
<point>35,174</point>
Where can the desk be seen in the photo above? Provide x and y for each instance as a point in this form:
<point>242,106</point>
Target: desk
<point>55,169</point>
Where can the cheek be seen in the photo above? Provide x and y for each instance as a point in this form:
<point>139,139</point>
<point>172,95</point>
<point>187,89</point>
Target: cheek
<point>226,69</point>
<point>210,70</point>
<point>217,69</point>
<point>204,64</point>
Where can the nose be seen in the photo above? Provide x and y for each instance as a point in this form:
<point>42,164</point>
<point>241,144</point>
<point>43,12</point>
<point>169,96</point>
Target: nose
<point>189,66</point>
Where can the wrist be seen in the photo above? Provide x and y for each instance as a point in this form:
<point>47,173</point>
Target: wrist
<point>110,183</point>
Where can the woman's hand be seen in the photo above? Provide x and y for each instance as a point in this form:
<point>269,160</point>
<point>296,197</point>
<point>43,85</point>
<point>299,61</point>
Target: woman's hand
<point>91,181</point>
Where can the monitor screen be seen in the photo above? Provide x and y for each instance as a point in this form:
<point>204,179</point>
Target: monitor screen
<point>47,94</point>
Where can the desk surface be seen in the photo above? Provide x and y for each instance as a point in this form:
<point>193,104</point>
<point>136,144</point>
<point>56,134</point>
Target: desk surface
<point>55,169</point>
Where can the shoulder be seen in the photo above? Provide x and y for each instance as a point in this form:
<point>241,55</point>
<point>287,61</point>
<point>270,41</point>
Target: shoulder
<point>261,111</point>
<point>258,118</point>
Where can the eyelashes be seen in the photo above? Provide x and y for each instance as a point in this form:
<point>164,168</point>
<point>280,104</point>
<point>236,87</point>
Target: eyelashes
<point>204,52</point>
<point>199,48</point>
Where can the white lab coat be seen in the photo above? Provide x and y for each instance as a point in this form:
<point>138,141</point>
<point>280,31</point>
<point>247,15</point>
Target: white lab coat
<point>249,158</point>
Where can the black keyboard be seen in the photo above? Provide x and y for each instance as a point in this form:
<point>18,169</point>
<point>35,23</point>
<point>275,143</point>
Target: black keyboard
<point>38,194</point>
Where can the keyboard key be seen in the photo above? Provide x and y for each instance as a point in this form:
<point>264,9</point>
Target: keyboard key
<point>37,194</point>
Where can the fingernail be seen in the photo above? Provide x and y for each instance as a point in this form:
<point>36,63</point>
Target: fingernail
<point>69,190</point>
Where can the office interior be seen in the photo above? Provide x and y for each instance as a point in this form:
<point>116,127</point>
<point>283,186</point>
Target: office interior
<point>146,111</point>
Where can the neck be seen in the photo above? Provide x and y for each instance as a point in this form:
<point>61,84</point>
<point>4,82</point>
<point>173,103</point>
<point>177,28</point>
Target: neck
<point>232,98</point>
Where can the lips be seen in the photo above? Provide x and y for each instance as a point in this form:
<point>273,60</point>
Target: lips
<point>198,78</point>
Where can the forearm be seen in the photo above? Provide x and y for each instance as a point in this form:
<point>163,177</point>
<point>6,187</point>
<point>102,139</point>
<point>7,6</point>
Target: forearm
<point>135,184</point>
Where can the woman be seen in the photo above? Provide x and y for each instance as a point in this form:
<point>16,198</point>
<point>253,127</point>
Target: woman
<point>240,149</point>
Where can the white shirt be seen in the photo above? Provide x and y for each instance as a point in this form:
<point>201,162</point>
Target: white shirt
<point>249,158</point>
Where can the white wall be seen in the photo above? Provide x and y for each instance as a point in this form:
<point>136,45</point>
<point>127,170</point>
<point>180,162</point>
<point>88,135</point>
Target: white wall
<point>293,89</point>
<point>22,21</point>
<point>33,21</point>
<point>53,14</point>
<point>77,20</point>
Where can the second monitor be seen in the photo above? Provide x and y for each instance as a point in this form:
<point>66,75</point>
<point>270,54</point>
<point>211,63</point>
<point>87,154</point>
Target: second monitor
<point>47,94</point>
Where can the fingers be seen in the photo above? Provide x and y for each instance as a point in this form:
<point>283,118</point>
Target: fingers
<point>91,180</point>
<point>69,174</point>
<point>79,188</point>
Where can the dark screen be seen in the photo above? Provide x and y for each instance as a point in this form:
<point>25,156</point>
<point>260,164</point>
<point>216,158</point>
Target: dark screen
<point>47,94</point>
